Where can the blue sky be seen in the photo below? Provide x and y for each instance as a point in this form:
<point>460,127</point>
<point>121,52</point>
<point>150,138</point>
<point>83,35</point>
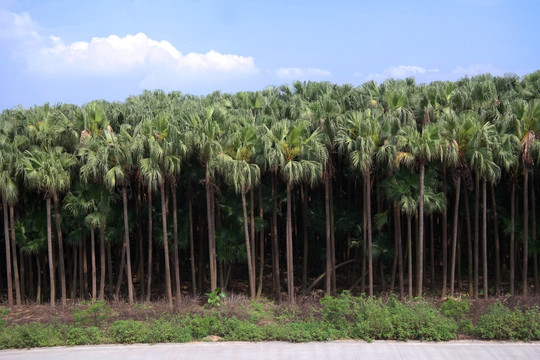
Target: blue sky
<point>77,51</point>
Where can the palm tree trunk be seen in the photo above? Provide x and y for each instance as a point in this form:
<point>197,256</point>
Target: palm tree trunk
<point>192,246</point>
<point>251,270</point>
<point>328,235</point>
<point>444,239</point>
<point>8,253</point>
<point>75,272</point>
<point>512,237</point>
<point>60,251</point>
<point>289,252</point>
<point>211,229</point>
<point>432,253</point>
<point>252,228</point>
<point>126,241</point>
<point>525,228</point>
<point>476,233</point>
<point>150,247</point>
<point>484,238</point>
<point>497,244</point>
<point>369,235</point>
<point>93,262</point>
<point>14,256</point>
<point>303,199</point>
<point>469,244</point>
<point>102,260</point>
<point>176,255</point>
<point>397,216</point>
<point>275,244</point>
<point>454,236</point>
<point>420,249</point>
<point>168,288</point>
<point>332,238</point>
<point>533,234</point>
<point>38,292</point>
<point>409,256</point>
<point>50,250</point>
<point>261,244</point>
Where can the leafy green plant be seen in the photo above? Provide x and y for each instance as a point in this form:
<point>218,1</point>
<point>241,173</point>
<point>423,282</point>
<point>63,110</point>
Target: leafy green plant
<point>128,331</point>
<point>215,297</point>
<point>92,313</point>
<point>501,323</point>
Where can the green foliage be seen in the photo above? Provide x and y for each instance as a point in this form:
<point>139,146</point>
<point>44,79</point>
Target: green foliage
<point>92,313</point>
<point>501,323</point>
<point>128,331</point>
<point>215,297</point>
<point>165,331</point>
<point>458,309</point>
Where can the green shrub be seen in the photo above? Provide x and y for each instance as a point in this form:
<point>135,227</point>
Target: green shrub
<point>458,310</point>
<point>501,323</point>
<point>128,331</point>
<point>202,326</point>
<point>163,331</point>
<point>92,313</point>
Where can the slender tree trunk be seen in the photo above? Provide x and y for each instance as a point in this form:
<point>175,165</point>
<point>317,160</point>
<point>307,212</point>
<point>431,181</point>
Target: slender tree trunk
<point>525,228</point>
<point>533,234</point>
<point>17,282</point>
<point>512,237</point>
<point>126,241</point>
<point>261,244</point>
<point>38,292</point>
<point>93,262</point>
<point>432,253</point>
<point>50,251</point>
<point>85,267</point>
<point>251,270</point>
<point>303,199</point>
<point>150,246</point>
<point>9,274</point>
<point>332,238</point>
<point>176,255</point>
<point>395,260</point>
<point>369,235</point>
<point>192,246</point>
<point>275,244</point>
<point>75,272</point>
<point>102,261</point>
<point>289,240</point>
<point>166,244</point>
<point>469,244</point>
<point>420,250</point>
<point>120,270</point>
<point>364,237</point>
<point>454,236</point>
<point>476,233</point>
<point>211,229</point>
<point>397,215</point>
<point>252,228</point>
<point>409,256</point>
<point>328,262</point>
<point>497,244</point>
<point>484,238</point>
<point>444,239</point>
<point>60,251</point>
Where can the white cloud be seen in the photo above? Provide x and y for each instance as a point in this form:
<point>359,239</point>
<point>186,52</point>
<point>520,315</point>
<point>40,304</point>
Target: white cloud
<point>476,69</point>
<point>301,74</point>
<point>400,72</point>
<point>139,57</point>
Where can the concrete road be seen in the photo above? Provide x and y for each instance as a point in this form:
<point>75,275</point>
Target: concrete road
<point>378,350</point>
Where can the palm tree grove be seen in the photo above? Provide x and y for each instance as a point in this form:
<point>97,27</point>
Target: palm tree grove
<point>309,188</point>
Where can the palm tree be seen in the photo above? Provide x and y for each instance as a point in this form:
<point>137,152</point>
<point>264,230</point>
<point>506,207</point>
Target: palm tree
<point>49,171</point>
<point>299,155</point>
<point>359,140</point>
<point>418,148</point>
<point>242,174</point>
<point>108,159</point>
<point>527,114</point>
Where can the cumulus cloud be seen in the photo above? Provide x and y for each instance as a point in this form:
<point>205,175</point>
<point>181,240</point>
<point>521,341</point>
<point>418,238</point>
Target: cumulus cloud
<point>476,69</point>
<point>138,56</point>
<point>400,72</point>
<point>300,74</point>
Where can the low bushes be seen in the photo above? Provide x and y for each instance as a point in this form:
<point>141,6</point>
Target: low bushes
<point>341,317</point>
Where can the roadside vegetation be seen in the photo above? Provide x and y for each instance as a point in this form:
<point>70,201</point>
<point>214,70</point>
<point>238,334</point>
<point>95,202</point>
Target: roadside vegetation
<point>240,319</point>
